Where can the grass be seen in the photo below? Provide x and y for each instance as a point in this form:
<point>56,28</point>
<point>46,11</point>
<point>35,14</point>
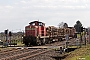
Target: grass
<point>73,46</point>
<point>19,43</point>
<point>87,57</point>
<point>80,53</point>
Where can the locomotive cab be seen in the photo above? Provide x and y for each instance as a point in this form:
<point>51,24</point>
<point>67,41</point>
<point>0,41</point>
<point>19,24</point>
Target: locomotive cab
<point>35,28</point>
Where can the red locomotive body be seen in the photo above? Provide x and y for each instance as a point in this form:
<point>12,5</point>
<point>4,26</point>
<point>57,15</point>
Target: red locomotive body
<point>35,29</point>
<point>33,33</point>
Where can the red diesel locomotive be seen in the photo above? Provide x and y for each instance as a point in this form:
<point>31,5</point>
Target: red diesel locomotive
<point>35,28</point>
<point>37,34</point>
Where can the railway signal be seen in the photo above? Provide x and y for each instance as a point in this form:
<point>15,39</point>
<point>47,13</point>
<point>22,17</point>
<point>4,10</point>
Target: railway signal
<point>6,35</point>
<point>10,33</point>
<point>89,35</point>
<point>81,29</point>
<point>6,31</point>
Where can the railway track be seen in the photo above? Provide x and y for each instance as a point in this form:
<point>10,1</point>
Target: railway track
<point>22,54</point>
<point>6,50</point>
<point>61,43</point>
<point>28,54</point>
<point>33,55</point>
<point>12,52</point>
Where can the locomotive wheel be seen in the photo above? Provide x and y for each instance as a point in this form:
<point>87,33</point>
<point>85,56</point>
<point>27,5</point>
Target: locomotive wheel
<point>49,42</point>
<point>29,44</point>
<point>43,42</point>
<point>26,43</point>
<point>39,43</point>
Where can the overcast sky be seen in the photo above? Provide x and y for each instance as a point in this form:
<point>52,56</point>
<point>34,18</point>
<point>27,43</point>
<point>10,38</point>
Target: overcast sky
<point>16,14</point>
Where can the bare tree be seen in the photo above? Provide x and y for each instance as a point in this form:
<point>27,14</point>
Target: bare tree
<point>63,25</point>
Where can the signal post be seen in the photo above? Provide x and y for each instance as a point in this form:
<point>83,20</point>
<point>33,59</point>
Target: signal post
<point>89,35</point>
<point>6,36</point>
<point>10,34</point>
<point>67,38</point>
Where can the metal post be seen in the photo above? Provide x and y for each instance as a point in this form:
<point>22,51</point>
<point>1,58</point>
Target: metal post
<point>6,43</point>
<point>80,39</point>
<point>84,38</point>
<point>89,36</point>
<point>6,37</point>
<point>77,42</point>
<point>10,40</point>
<point>61,50</point>
<point>67,38</point>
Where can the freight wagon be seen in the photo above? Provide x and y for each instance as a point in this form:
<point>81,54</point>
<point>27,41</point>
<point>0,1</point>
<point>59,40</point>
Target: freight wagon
<point>37,34</point>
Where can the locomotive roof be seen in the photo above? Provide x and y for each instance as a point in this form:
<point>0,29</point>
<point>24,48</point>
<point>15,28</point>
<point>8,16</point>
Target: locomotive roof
<point>36,21</point>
